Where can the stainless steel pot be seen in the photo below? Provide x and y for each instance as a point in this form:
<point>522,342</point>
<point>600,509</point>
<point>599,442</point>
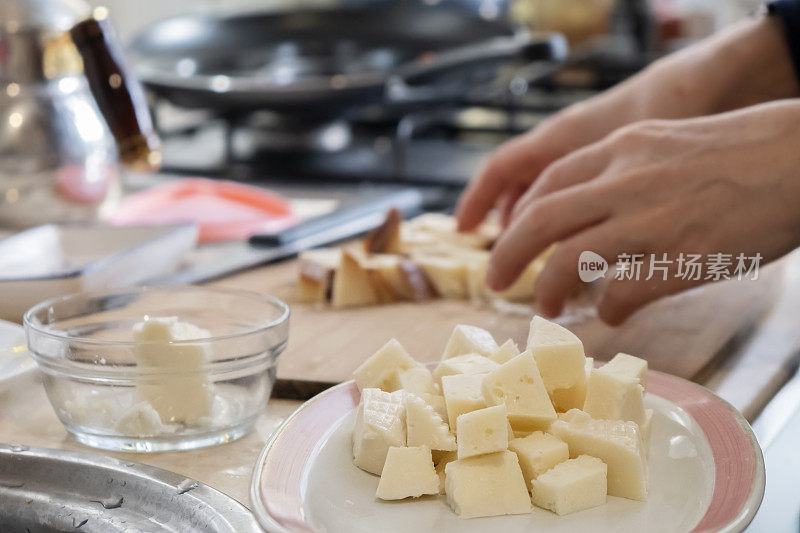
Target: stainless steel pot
<point>69,113</point>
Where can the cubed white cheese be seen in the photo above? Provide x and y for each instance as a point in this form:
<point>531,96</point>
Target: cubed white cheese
<point>486,485</point>
<point>618,444</point>
<point>628,365</point>
<point>417,380</point>
<point>614,396</point>
<point>381,369</point>
<point>572,486</point>
<point>462,394</point>
<point>505,353</point>
<point>380,424</point>
<point>470,363</point>
<point>482,431</point>
<point>447,274</point>
<point>425,427</point>
<point>518,385</point>
<point>437,402</point>
<point>538,453</point>
<point>558,353</point>
<point>572,397</point>
<point>469,339</point>
<point>351,284</point>
<point>182,393</point>
<point>140,420</point>
<point>408,473</point>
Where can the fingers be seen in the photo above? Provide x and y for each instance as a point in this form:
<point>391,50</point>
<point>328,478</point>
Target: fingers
<point>517,162</point>
<point>577,167</point>
<point>560,277</point>
<point>507,201</point>
<point>542,223</point>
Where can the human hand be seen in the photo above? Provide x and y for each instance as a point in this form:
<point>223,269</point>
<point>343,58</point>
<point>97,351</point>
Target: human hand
<point>748,64</point>
<point>728,183</point>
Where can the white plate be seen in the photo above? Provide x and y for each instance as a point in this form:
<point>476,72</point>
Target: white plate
<point>14,356</point>
<point>707,474</point>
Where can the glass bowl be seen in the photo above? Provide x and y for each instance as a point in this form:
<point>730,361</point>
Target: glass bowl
<point>113,392</point>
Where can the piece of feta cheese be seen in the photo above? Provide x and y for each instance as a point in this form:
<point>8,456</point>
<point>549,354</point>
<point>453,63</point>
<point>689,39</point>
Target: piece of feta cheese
<point>408,473</point>
<point>437,402</point>
<point>380,424</point>
<point>482,431</point>
<point>417,380</point>
<point>572,397</point>
<point>614,396</point>
<point>558,353</point>
<point>538,453</point>
<point>140,420</point>
<point>518,385</point>
<point>470,363</point>
<point>351,283</point>
<point>381,369</point>
<point>507,351</point>
<point>462,394</point>
<point>447,274</point>
<point>628,365</point>
<point>572,486</point>
<point>618,444</point>
<point>425,427</point>
<point>486,485</point>
<point>176,383</point>
<point>469,339</point>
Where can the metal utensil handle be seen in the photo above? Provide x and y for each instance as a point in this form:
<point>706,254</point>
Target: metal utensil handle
<point>529,47</point>
<point>119,94</point>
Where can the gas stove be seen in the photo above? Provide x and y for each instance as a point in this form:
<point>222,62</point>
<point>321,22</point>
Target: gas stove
<point>432,146</point>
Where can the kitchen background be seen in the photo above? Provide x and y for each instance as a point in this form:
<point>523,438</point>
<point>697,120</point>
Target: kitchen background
<point>746,354</point>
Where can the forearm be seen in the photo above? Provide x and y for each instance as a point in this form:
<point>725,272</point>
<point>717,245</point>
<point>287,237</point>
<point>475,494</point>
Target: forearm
<point>753,65</point>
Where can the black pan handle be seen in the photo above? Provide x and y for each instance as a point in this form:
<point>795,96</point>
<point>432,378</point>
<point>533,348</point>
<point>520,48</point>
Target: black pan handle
<point>551,47</point>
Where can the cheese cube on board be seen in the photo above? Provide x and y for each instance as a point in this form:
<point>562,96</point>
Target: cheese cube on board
<point>518,385</point>
<point>470,363</point>
<point>183,393</point>
<point>447,274</point>
<point>618,444</point>
<point>469,339</point>
<point>614,397</point>
<point>316,270</point>
<point>408,473</point>
<point>572,486</point>
<point>628,365</point>
<point>310,290</point>
<point>482,431</point>
<point>487,485</point>
<point>380,424</point>
<point>558,353</point>
<point>351,284</point>
<point>538,453</point>
<point>522,289</point>
<point>507,351</point>
<point>417,380</point>
<point>382,367</point>
<point>462,394</point>
<point>425,427</point>
<point>572,397</point>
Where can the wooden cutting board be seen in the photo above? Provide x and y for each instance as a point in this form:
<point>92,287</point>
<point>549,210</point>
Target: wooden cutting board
<point>680,335</point>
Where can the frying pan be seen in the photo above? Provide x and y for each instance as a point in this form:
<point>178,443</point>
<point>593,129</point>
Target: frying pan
<point>325,61</point>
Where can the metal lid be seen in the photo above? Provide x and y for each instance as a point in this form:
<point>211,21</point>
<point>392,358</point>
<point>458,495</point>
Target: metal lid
<point>56,15</point>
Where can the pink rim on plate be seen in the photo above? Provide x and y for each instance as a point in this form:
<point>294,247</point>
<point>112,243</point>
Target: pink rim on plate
<point>275,491</point>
